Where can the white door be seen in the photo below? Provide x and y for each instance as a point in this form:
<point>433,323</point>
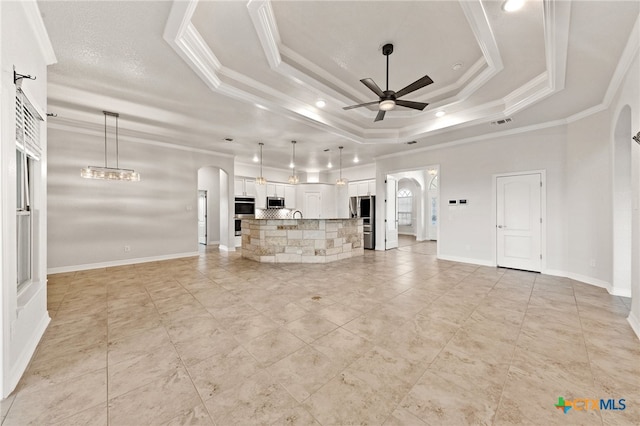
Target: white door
<point>391,220</point>
<point>202,217</point>
<point>312,205</point>
<point>519,221</point>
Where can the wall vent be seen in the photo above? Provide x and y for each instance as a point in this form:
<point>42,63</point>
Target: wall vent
<point>500,122</point>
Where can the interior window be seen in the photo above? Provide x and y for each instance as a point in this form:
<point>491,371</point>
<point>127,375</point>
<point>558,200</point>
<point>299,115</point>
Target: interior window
<point>405,207</point>
<point>23,218</point>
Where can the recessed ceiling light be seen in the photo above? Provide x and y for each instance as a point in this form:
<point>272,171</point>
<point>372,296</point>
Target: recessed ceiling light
<point>329,165</point>
<point>356,159</point>
<point>255,158</point>
<point>320,103</point>
<point>457,66</point>
<point>512,5</point>
<point>440,114</point>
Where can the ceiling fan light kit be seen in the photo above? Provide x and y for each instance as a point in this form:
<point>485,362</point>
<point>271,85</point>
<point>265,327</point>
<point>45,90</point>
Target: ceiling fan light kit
<point>388,99</point>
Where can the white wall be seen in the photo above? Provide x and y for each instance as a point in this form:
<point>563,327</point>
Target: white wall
<point>588,205</point>
<point>209,180</point>
<point>253,171</point>
<point>466,171</point>
<point>25,45</point>
<point>91,221</point>
<point>628,95</point>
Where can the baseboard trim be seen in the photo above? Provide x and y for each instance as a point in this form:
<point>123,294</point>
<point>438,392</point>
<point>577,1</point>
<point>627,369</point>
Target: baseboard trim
<point>635,323</point>
<point>467,260</point>
<point>589,280</point>
<point>18,369</point>
<point>123,262</point>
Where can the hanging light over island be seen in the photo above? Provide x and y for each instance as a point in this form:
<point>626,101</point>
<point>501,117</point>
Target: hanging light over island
<point>110,173</point>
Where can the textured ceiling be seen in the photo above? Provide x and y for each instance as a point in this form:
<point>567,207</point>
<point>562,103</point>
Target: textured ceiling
<point>193,73</point>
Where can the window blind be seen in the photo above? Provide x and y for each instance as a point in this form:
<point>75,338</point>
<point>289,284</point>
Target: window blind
<point>27,126</point>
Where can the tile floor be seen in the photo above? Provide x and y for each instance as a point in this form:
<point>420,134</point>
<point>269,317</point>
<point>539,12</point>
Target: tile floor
<point>393,338</point>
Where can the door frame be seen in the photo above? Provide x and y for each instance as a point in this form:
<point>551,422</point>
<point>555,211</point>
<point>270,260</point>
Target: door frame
<point>386,207</point>
<point>206,216</point>
<point>543,214</point>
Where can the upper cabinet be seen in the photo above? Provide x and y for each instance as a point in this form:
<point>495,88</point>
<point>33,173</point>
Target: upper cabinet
<point>362,188</point>
<point>275,190</point>
<point>261,196</point>
<point>272,189</point>
<point>290,196</point>
<point>244,187</point>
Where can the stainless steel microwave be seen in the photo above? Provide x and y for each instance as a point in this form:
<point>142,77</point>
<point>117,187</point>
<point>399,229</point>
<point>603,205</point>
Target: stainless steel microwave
<point>275,203</point>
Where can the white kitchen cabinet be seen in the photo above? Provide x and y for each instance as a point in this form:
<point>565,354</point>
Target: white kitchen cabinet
<point>244,187</point>
<point>372,187</point>
<point>250,187</point>
<point>362,188</point>
<point>238,187</point>
<point>275,189</point>
<point>290,197</point>
<point>353,189</point>
<point>261,196</point>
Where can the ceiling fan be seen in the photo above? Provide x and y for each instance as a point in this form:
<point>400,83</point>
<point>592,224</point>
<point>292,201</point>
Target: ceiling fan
<point>389,99</point>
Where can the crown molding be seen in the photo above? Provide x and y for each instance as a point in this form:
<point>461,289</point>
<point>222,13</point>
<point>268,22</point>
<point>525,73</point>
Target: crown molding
<point>95,130</point>
<point>556,16</point>
<point>478,138</point>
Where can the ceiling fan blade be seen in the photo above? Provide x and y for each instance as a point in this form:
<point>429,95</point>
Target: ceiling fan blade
<point>373,86</point>
<point>411,104</point>
<point>418,84</point>
<point>360,105</point>
<point>380,116</point>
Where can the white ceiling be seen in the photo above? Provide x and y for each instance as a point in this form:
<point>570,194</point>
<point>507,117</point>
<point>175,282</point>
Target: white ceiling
<point>194,73</point>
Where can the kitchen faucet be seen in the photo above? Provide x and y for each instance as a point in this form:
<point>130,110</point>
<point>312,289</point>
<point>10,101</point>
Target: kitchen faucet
<point>294,214</point>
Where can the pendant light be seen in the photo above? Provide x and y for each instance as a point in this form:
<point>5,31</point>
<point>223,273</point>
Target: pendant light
<point>110,173</point>
<point>293,179</point>
<point>341,181</point>
<point>260,180</point>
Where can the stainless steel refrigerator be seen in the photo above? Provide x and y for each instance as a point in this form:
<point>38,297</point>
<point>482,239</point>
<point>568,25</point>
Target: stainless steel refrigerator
<point>365,208</point>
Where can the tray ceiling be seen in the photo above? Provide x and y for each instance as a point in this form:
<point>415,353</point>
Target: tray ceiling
<point>194,72</point>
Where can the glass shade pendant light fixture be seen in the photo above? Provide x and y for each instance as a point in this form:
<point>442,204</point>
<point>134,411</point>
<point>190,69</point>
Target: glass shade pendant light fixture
<point>260,180</point>
<point>293,179</point>
<point>110,173</point>
<point>341,181</point>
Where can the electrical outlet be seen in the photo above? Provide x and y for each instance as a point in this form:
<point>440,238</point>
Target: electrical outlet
<point>127,249</point>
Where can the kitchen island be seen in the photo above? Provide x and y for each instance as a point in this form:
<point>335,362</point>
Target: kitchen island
<point>301,240</point>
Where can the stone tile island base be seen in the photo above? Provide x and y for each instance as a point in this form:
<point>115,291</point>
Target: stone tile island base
<point>301,240</point>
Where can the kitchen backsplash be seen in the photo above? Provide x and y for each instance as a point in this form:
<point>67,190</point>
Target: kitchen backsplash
<point>273,214</point>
